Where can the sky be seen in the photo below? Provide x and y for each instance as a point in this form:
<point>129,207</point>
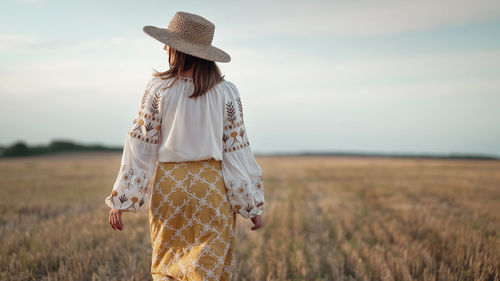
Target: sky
<point>346,76</point>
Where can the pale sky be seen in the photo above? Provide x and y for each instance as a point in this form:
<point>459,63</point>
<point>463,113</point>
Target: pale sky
<point>358,76</point>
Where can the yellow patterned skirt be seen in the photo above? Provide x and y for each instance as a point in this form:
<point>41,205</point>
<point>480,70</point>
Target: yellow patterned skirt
<point>192,224</point>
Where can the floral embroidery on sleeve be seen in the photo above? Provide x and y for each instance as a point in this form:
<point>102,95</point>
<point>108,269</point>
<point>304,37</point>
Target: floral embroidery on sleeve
<point>234,136</point>
<point>147,124</point>
<point>247,201</point>
<point>131,190</point>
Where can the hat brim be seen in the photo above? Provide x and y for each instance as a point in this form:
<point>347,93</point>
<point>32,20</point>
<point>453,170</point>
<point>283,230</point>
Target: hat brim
<point>171,39</point>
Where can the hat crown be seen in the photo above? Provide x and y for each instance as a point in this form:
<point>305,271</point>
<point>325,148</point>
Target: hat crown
<point>192,28</point>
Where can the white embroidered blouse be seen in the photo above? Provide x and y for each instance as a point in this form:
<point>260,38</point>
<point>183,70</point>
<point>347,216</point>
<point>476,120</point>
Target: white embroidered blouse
<point>170,126</point>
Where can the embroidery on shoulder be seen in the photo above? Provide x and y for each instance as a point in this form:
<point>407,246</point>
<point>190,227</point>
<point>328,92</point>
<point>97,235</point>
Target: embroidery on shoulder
<point>240,107</point>
<point>147,123</point>
<point>234,135</point>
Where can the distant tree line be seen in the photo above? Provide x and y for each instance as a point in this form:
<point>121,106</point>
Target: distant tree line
<point>464,156</point>
<point>20,148</point>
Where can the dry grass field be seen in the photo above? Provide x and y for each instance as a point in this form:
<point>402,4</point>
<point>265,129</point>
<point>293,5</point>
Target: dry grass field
<point>326,218</point>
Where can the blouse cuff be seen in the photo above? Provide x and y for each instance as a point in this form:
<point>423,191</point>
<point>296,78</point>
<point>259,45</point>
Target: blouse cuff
<point>245,197</point>
<point>130,191</point>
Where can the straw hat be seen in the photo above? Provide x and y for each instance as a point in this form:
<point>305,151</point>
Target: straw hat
<point>190,34</point>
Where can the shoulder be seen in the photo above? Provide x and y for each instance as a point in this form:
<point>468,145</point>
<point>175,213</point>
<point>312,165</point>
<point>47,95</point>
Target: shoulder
<point>228,89</point>
<point>156,84</point>
<point>228,84</point>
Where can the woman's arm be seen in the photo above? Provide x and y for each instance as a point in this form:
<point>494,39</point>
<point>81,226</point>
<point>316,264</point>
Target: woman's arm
<point>242,173</point>
<point>132,187</point>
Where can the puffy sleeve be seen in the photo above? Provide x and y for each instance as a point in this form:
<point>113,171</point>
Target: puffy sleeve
<point>242,174</point>
<point>132,187</point>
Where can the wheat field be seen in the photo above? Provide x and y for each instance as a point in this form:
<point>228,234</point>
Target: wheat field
<point>326,218</point>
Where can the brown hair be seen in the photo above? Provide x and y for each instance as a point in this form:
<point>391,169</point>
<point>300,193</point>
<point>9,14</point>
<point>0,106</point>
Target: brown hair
<point>206,74</point>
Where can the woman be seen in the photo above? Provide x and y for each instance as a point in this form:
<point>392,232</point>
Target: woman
<point>188,154</point>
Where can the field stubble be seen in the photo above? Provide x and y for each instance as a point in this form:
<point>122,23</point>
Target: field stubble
<point>326,218</point>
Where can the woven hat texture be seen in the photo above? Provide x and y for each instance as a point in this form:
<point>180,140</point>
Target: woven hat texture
<point>191,34</point>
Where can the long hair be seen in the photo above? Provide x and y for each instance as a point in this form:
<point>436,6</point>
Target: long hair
<point>206,74</point>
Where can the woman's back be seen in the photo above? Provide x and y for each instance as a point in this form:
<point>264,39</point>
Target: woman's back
<point>191,128</point>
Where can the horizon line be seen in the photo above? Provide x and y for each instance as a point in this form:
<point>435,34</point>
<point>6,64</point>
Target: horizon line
<point>311,152</point>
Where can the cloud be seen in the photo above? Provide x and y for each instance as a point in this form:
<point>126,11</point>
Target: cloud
<point>15,41</point>
<point>355,18</point>
<point>314,74</point>
<point>37,43</point>
<point>91,75</point>
<point>117,61</point>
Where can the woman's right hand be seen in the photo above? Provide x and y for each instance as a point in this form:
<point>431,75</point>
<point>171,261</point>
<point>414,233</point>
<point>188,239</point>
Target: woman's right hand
<point>115,219</point>
<point>258,222</point>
